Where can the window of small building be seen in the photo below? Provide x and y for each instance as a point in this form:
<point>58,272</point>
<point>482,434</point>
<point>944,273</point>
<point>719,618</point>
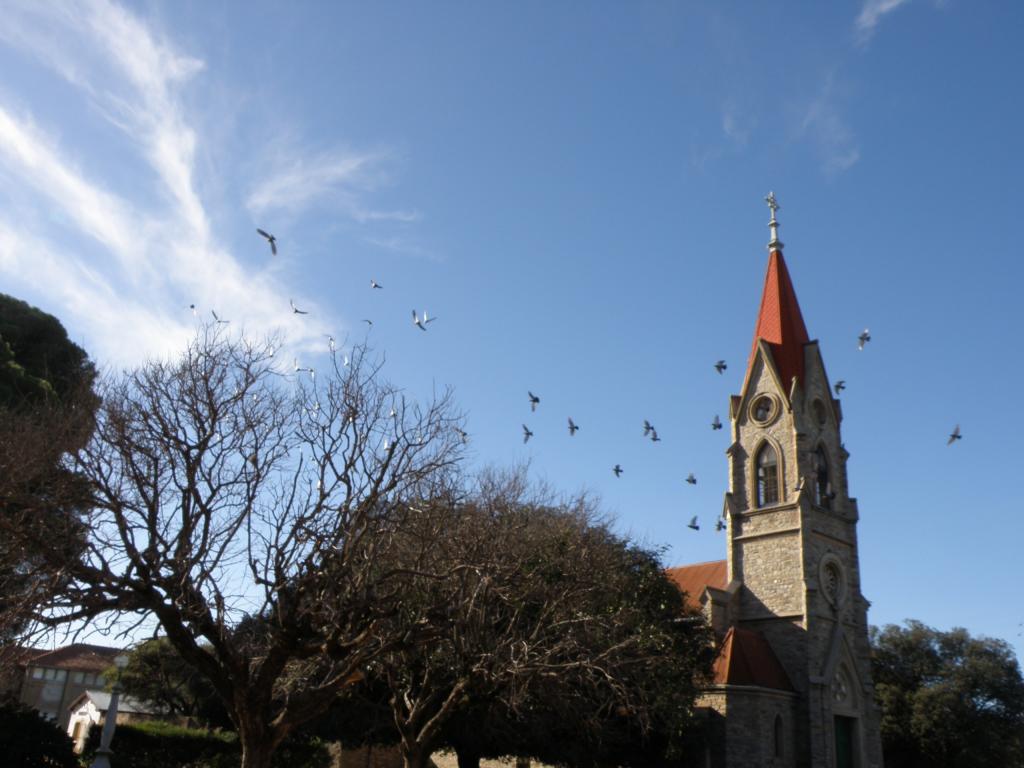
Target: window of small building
<point>77,677</point>
<point>779,737</point>
<point>823,494</point>
<point>37,673</point>
<point>767,476</point>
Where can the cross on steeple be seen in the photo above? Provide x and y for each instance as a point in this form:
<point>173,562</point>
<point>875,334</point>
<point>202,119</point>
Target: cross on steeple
<point>773,226</point>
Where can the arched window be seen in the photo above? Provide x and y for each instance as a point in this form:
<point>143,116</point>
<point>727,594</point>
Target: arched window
<point>823,493</point>
<point>779,737</point>
<point>767,476</point>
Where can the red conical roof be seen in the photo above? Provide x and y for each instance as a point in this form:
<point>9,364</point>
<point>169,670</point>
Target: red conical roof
<point>780,323</point>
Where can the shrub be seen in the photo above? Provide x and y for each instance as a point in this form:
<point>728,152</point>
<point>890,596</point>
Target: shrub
<point>30,741</point>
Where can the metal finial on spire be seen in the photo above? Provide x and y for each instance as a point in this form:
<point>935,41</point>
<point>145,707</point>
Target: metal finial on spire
<point>773,226</point>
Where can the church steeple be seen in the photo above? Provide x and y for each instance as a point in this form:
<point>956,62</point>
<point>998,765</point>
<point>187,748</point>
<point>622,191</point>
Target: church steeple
<point>779,321</point>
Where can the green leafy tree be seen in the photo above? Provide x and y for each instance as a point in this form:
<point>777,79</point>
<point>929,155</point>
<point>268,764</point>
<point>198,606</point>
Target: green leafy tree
<point>47,406</point>
<point>947,699</point>
<point>29,741</point>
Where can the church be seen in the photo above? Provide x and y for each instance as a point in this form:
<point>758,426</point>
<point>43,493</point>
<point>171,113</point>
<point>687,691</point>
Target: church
<point>792,676</point>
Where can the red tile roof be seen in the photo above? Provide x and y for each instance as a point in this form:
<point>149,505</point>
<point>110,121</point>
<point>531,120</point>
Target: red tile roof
<point>691,579</point>
<point>746,658</point>
<point>780,323</point>
<point>79,656</point>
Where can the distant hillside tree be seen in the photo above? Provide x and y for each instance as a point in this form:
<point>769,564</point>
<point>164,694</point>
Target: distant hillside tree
<point>947,699</point>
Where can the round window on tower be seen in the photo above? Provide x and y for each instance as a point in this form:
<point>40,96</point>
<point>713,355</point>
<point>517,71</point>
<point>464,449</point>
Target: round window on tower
<point>832,580</point>
<point>763,409</point>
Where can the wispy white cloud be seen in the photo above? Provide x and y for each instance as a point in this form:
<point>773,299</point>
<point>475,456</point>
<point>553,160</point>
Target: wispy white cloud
<point>825,127</point>
<point>736,127</point>
<point>396,244</point>
<point>340,179</point>
<point>871,14</point>
<point>128,282</point>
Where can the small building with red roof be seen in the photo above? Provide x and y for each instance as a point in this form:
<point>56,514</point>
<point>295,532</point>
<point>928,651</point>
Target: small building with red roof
<point>52,680</point>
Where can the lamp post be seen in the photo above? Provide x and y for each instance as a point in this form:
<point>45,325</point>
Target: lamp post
<point>104,752</point>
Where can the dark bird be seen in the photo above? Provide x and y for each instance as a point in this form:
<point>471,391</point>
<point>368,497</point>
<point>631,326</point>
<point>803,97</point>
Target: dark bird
<point>654,436</point>
<point>375,284</point>
<point>693,523</point>
<point>193,308</point>
<point>839,386</point>
<point>719,525</point>
<point>617,469</point>
<point>954,435</point>
<point>720,366</point>
<point>716,424</point>
<point>527,434</point>
<point>217,318</point>
<point>572,427</point>
<point>270,239</point>
<point>691,479</point>
<point>463,435</point>
<point>648,428</point>
<point>534,400</point>
<point>863,339</point>
<point>296,310</point>
<point>369,323</point>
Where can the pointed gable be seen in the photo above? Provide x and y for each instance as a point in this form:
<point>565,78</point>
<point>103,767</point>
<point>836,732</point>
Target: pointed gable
<point>745,658</point>
<point>780,324</point>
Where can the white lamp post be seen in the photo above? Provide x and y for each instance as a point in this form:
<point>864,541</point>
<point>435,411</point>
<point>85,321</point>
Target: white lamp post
<point>104,752</point>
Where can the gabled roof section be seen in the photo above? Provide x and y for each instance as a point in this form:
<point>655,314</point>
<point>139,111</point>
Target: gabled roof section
<point>746,658</point>
<point>125,704</point>
<point>780,323</point>
<point>692,579</point>
<point>78,656</point>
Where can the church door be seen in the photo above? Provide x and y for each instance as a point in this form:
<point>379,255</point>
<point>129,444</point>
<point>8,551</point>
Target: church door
<point>845,733</point>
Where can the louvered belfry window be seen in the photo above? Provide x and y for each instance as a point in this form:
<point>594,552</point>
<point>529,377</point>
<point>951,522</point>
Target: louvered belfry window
<point>767,476</point>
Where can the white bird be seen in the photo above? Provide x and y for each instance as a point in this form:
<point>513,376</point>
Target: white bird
<point>863,339</point>
<point>330,343</point>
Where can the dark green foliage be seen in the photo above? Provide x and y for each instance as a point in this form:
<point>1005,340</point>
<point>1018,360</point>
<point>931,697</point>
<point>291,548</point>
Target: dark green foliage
<point>947,699</point>
<point>29,741</point>
<point>157,673</point>
<point>161,745</point>
<point>38,361</point>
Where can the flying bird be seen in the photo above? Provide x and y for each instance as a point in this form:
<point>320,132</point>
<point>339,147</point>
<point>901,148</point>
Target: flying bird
<point>534,400</point>
<point>617,469</point>
<point>296,310</point>
<point>527,434</point>
<point>463,435</point>
<point>193,308</point>
<point>270,239</point>
<point>217,318</point>
<point>691,479</point>
<point>839,386</point>
<point>955,435</point>
<point>720,366</point>
<point>375,284</point>
<point>331,343</point>
<point>369,323</point>
<point>648,428</point>
<point>716,424</point>
<point>422,324</point>
<point>654,436</point>
<point>693,523</point>
<point>572,427</point>
<point>719,525</point>
<point>299,369</point>
<point>863,339</point>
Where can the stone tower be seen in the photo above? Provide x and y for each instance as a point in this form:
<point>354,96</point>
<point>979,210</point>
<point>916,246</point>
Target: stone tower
<point>792,560</point>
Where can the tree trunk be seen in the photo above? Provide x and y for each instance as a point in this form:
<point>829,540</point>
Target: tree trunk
<point>414,756</point>
<point>257,743</point>
<point>467,758</point>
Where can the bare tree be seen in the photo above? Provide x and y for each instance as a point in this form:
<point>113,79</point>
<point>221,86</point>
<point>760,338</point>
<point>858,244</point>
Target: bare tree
<point>250,513</point>
<point>540,607</point>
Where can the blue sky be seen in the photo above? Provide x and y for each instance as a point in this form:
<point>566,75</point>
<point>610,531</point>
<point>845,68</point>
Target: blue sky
<point>576,191</point>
